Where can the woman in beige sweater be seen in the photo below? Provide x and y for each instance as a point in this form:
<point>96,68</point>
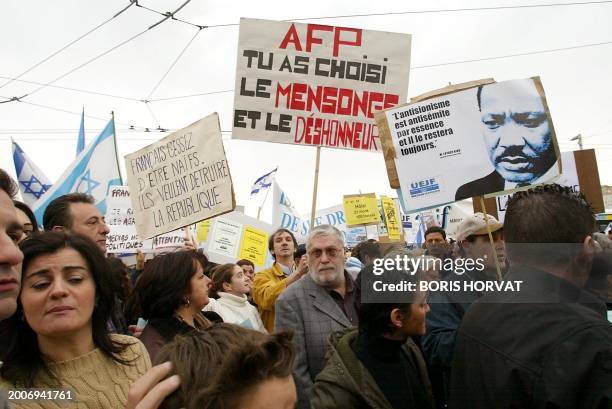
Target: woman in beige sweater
<point>58,338</point>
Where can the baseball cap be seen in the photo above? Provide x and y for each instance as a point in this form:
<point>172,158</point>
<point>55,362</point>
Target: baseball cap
<point>475,224</point>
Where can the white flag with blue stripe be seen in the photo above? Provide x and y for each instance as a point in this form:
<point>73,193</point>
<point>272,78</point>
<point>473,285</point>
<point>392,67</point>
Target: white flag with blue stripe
<point>261,186</point>
<point>32,181</point>
<point>93,172</point>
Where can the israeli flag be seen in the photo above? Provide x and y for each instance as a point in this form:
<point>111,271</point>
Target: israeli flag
<point>93,172</point>
<point>32,182</point>
<point>420,237</point>
<point>81,138</point>
<point>261,185</point>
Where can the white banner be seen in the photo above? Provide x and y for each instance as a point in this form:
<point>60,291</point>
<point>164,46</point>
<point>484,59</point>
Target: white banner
<point>312,84</point>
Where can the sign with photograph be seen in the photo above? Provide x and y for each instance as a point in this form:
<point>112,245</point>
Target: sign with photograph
<point>496,137</point>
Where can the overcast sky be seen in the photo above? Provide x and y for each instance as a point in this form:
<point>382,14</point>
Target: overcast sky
<point>577,82</point>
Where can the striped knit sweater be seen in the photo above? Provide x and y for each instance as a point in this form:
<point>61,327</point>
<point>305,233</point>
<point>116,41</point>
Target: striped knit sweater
<point>96,381</point>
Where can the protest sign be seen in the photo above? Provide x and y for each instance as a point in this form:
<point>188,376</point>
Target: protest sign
<point>169,241</point>
<point>254,245</point>
<point>202,229</point>
<point>312,84</point>
<point>391,218</point>
<point>181,179</point>
<point>449,217</point>
<point>234,236</point>
<point>579,173</point>
<point>484,140</point>
<point>122,237</point>
<point>361,209</point>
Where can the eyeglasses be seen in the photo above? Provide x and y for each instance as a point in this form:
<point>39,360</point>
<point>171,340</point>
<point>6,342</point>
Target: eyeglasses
<point>330,251</point>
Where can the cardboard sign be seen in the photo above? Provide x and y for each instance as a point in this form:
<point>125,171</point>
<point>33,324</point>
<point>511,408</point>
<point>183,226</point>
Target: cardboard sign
<point>119,218</point>
<point>312,84</point>
<point>493,138</point>
<point>234,236</point>
<point>361,209</point>
<point>579,172</point>
<point>181,179</point>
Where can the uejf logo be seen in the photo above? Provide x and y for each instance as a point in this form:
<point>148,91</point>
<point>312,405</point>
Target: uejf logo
<point>424,187</point>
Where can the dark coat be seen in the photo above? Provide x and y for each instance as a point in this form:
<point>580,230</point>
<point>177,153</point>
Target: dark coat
<point>493,182</point>
<point>541,347</point>
<point>346,383</point>
<point>160,331</point>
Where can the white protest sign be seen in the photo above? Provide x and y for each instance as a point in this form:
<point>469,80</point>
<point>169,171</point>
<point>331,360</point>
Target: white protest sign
<point>234,236</point>
<point>181,179</point>
<point>478,141</point>
<point>312,84</point>
<point>449,217</point>
<point>119,218</point>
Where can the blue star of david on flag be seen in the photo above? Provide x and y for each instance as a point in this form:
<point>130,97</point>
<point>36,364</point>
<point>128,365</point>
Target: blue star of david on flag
<point>29,186</point>
<point>32,181</point>
<point>89,183</point>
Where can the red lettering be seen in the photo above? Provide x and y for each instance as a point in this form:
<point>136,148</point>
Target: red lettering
<point>297,93</point>
<point>280,91</point>
<point>292,37</point>
<point>338,41</point>
<point>310,39</point>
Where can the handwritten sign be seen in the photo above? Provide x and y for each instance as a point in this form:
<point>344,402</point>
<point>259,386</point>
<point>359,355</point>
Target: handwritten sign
<point>181,179</point>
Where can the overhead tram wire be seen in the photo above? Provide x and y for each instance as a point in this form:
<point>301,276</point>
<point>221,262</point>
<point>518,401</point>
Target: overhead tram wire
<point>74,89</point>
<point>398,13</point>
<point>428,66</point>
<point>44,60</point>
<point>144,129</point>
<point>147,101</point>
<point>105,52</point>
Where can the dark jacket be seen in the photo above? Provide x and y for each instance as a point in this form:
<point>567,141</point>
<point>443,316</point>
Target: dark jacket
<point>160,331</point>
<point>493,182</point>
<point>344,382</point>
<point>541,347</point>
<point>447,309</point>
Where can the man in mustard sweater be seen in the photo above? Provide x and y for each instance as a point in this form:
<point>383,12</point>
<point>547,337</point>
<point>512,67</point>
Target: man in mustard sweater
<point>269,284</point>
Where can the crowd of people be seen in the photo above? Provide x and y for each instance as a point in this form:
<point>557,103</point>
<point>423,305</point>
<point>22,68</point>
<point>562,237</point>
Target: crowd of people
<point>179,331</point>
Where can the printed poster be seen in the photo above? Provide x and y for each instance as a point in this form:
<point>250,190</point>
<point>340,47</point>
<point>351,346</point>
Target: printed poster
<point>489,139</point>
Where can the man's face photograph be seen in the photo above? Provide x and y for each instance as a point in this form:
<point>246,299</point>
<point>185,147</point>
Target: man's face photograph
<point>516,132</point>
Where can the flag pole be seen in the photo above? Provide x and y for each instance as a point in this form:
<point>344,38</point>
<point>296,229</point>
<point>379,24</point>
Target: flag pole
<point>314,190</point>
<point>115,143</point>
<point>486,219</point>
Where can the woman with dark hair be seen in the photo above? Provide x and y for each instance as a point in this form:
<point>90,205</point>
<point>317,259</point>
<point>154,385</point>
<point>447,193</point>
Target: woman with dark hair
<point>229,290</point>
<point>378,365</point>
<point>58,338</point>
<point>26,218</point>
<point>170,294</point>
<point>235,368</point>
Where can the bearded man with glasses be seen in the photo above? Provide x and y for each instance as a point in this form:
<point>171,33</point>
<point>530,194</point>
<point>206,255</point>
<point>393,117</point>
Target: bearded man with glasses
<point>317,305</point>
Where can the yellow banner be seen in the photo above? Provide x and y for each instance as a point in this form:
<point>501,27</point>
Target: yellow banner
<point>394,227</point>
<point>254,245</point>
<point>361,209</point>
<point>202,230</point>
